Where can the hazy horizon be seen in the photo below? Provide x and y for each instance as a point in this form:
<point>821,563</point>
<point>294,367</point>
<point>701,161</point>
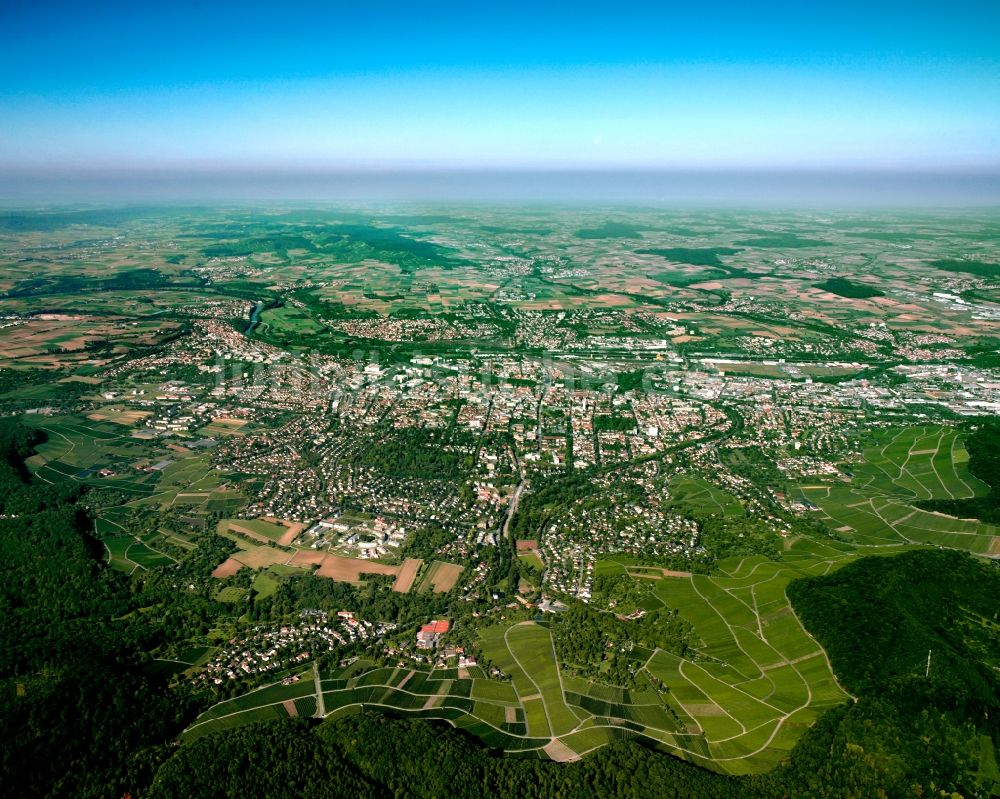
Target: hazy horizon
<point>215,100</point>
<point>749,188</point>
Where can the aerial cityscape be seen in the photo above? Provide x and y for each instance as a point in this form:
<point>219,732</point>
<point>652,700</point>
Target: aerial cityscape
<point>417,465</point>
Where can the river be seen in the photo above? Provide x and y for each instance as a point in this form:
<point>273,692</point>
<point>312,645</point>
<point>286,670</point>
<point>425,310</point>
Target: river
<point>254,317</point>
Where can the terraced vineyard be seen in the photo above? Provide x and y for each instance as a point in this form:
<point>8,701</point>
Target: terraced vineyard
<point>78,451</point>
<point>756,679</point>
<point>876,507</point>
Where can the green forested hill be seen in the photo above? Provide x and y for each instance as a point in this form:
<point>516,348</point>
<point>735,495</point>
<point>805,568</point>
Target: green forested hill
<point>373,755</point>
<point>913,723</point>
<point>76,715</point>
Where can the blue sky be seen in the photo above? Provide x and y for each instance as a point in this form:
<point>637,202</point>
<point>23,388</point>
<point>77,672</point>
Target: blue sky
<point>376,85</point>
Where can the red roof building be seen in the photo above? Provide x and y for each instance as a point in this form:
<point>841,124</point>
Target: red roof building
<point>437,627</point>
<point>427,637</point>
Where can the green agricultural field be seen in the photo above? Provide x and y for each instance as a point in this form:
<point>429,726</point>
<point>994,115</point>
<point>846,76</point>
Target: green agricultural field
<point>195,655</point>
<point>259,527</point>
<point>117,547</point>
<point>146,556</point>
<point>756,669</point>
<point>77,451</point>
<point>266,702</point>
<point>289,321</point>
<point>532,561</point>
<point>700,498</point>
<point>751,678</point>
<point>922,462</point>
<point>532,650</point>
<point>876,507</point>
<point>411,691</point>
<point>494,691</point>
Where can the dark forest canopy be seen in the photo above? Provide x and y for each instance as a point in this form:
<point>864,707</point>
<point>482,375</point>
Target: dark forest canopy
<point>77,716</point>
<point>373,755</point>
<point>851,289</point>
<point>914,636</point>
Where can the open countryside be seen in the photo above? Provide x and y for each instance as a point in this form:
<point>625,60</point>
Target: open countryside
<point>576,492</point>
